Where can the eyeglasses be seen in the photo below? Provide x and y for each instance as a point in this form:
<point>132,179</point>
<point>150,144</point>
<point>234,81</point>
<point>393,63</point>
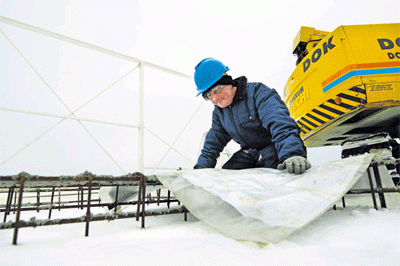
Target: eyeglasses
<point>215,90</point>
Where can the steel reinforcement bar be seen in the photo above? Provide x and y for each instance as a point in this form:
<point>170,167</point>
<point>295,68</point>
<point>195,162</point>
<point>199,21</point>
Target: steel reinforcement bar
<point>86,181</point>
<point>374,189</point>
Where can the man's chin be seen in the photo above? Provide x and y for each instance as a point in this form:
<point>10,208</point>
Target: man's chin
<point>224,104</point>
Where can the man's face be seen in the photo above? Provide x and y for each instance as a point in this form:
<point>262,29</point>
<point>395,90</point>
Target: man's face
<point>221,95</point>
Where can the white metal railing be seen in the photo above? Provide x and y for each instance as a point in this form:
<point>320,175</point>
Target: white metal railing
<point>71,116</point>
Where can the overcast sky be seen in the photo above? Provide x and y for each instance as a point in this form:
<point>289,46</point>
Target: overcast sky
<point>254,38</point>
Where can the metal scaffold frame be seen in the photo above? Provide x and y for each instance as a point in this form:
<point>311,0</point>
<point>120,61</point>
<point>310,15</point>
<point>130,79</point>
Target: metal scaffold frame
<point>71,116</point>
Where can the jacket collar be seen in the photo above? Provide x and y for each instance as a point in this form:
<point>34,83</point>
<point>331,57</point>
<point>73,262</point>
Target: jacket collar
<point>240,83</point>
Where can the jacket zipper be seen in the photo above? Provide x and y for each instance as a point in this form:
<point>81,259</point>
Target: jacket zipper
<point>236,128</point>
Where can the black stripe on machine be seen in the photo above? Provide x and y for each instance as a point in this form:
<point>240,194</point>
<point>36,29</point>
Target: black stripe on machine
<point>344,105</point>
<point>315,118</point>
<point>308,122</point>
<point>357,89</point>
<point>331,109</point>
<point>322,114</point>
<point>352,98</point>
<point>303,126</point>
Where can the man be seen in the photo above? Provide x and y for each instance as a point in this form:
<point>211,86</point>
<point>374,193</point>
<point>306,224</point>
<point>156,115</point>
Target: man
<point>254,116</point>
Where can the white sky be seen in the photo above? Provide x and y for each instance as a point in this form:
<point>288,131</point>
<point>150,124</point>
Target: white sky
<point>253,38</point>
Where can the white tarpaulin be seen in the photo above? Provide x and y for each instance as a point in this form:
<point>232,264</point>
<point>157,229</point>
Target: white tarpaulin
<point>264,205</point>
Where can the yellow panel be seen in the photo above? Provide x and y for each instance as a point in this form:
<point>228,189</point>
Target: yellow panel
<point>380,92</point>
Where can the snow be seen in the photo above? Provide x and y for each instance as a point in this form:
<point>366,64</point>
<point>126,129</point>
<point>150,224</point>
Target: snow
<point>355,235</point>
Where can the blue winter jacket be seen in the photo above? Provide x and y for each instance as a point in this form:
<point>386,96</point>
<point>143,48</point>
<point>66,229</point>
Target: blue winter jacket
<point>257,118</point>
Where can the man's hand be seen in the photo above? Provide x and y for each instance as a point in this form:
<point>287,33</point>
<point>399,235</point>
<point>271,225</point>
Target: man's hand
<point>295,164</point>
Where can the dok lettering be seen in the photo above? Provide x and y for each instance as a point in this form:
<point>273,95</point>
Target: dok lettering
<point>326,46</point>
<point>387,44</point>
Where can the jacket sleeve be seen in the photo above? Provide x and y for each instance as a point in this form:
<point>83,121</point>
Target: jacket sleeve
<point>275,117</point>
<point>215,141</point>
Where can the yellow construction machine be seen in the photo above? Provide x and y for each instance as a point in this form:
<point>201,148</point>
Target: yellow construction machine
<point>346,84</point>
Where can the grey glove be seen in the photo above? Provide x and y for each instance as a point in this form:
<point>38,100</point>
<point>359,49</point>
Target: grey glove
<point>295,164</point>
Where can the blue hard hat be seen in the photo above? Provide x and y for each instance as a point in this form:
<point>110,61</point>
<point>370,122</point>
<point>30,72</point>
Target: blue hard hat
<point>207,72</point>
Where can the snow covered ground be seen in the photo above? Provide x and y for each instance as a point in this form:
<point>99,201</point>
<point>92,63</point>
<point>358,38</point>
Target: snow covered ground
<point>355,235</point>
